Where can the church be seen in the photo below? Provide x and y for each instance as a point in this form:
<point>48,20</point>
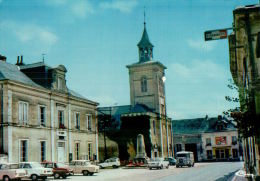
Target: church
<point>146,113</point>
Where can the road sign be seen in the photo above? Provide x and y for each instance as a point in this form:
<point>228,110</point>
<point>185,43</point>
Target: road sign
<point>215,34</point>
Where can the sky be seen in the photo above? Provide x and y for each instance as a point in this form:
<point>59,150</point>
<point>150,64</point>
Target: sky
<point>95,40</point>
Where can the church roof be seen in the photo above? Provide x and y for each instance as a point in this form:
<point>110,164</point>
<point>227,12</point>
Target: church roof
<point>145,42</point>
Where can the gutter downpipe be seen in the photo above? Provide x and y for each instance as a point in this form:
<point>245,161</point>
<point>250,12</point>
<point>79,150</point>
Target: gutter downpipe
<point>1,118</point>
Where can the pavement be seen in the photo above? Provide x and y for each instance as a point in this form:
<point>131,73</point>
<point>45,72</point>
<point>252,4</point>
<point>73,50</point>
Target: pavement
<point>217,171</point>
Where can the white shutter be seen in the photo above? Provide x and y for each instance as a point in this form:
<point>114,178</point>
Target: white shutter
<point>25,113</point>
<point>20,113</point>
<point>39,115</point>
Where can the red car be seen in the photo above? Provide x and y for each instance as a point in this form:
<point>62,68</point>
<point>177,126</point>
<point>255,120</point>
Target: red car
<point>58,169</point>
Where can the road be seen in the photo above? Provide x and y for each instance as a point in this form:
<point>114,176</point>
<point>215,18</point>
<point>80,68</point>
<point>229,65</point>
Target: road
<point>219,171</point>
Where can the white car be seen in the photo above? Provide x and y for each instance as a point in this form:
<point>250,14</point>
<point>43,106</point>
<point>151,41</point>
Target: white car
<point>35,170</point>
<point>11,171</point>
<point>111,162</point>
<point>83,167</point>
<point>158,163</point>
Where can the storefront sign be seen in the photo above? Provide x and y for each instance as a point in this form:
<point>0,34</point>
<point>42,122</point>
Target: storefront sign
<point>221,140</point>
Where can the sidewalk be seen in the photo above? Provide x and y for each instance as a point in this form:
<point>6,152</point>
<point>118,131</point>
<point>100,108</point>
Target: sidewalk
<point>240,176</point>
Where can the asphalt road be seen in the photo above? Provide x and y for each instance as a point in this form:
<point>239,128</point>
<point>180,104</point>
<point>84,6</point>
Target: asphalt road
<point>219,171</point>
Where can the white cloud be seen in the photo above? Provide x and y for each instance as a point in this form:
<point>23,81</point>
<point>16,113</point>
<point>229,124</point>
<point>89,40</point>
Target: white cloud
<point>199,71</point>
<point>1,1</point>
<point>28,32</point>
<point>122,5</point>
<point>82,8</point>
<point>201,45</point>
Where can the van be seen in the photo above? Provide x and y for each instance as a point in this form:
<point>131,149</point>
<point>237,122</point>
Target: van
<point>184,158</point>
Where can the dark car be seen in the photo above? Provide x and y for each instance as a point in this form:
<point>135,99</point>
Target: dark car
<point>58,169</point>
<point>171,160</point>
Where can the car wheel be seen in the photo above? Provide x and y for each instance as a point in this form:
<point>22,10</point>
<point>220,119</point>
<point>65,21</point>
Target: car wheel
<point>64,176</point>
<point>167,166</point>
<point>6,178</point>
<point>114,166</point>
<point>177,166</point>
<point>85,172</point>
<point>161,167</point>
<point>56,176</point>
<point>91,173</point>
<point>34,177</point>
<point>150,168</point>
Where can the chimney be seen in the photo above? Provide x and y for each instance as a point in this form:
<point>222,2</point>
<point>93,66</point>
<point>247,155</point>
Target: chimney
<point>21,63</point>
<point>18,60</point>
<point>3,58</point>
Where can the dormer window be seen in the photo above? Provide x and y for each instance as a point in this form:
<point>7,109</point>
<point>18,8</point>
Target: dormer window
<point>59,83</point>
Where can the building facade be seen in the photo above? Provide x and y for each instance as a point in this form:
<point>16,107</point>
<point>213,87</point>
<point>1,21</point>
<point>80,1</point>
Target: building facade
<point>41,119</point>
<point>147,113</point>
<point>210,139</point>
<point>244,48</point>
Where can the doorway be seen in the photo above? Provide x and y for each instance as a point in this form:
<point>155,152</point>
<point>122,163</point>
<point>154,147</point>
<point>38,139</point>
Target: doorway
<point>193,148</point>
<point>61,152</point>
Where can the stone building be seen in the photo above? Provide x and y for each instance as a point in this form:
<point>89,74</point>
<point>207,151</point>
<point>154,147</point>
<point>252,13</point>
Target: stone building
<point>244,49</point>
<point>147,112</point>
<point>41,118</point>
<point>210,139</point>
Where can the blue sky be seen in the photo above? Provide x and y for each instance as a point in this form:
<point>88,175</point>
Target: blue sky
<point>95,40</point>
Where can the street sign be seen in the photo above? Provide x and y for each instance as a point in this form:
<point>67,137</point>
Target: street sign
<point>215,34</point>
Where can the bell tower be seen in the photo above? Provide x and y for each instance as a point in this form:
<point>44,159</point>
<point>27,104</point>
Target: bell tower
<point>147,77</point>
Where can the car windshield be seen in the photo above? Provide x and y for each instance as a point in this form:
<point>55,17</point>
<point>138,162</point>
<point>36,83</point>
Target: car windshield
<point>86,163</point>
<point>36,165</point>
<point>182,155</point>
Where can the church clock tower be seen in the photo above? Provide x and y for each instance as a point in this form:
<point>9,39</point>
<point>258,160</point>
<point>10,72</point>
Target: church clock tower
<point>147,78</point>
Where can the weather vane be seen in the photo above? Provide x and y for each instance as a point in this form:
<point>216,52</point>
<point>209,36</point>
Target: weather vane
<point>144,14</point>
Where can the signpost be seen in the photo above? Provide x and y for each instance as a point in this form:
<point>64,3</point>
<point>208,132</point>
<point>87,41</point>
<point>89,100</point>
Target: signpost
<point>215,34</point>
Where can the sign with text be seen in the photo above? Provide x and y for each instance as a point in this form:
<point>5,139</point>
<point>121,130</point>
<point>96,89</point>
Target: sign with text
<point>215,34</point>
<point>221,140</point>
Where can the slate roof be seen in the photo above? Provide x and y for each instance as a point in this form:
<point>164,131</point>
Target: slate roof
<point>200,125</point>
<point>117,111</point>
<point>11,72</point>
<point>145,42</point>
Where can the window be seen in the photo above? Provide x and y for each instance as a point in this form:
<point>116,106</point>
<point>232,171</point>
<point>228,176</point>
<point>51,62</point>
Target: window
<point>61,119</point>
<point>77,147</point>
<point>90,151</point>
<point>23,151</point>
<point>42,115</point>
<point>77,121</point>
<point>144,84</point>
<point>234,140</point>
<point>209,154</point>
<point>88,121</point>
<point>23,113</point>
<point>59,83</point>
<point>42,151</point>
<point>208,141</point>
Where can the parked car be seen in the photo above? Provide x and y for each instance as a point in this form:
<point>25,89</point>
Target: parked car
<point>171,160</point>
<point>111,162</point>
<point>11,171</point>
<point>58,169</point>
<point>35,170</point>
<point>158,163</point>
<point>84,167</point>
<point>185,158</point>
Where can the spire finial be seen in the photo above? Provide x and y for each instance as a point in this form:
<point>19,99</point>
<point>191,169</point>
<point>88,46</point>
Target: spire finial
<point>144,16</point>
<point>43,57</point>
